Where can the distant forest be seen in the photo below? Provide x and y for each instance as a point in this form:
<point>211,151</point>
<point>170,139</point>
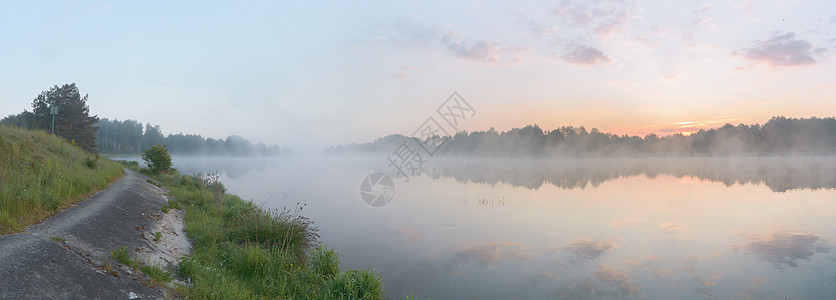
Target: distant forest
<point>63,111</point>
<point>132,137</point>
<point>128,137</point>
<point>778,136</point>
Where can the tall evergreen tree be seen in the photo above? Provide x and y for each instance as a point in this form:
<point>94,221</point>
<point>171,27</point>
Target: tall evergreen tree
<point>73,121</point>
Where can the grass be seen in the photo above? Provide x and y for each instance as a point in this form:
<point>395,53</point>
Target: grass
<point>41,174</point>
<point>121,255</point>
<point>57,239</point>
<point>157,274</point>
<point>241,251</point>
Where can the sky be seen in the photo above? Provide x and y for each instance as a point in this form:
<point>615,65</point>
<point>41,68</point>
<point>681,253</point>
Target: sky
<point>311,74</point>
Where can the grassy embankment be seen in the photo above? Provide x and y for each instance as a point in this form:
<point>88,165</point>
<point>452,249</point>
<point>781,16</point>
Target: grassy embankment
<point>241,251</point>
<point>41,174</point>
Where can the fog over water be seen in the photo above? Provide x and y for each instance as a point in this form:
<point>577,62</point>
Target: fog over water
<point>545,149</point>
<point>688,228</point>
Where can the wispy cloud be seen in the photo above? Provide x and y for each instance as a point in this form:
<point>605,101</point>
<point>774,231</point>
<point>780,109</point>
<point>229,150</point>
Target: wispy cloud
<point>605,18</point>
<point>534,27</point>
<point>783,50</point>
<point>616,285</point>
<point>704,287</point>
<point>625,287</point>
<point>483,51</point>
<point>702,9</point>
<point>584,55</point>
<point>407,33</point>
<point>410,34</point>
<point>784,249</point>
<point>588,250</point>
<point>702,21</point>
<point>488,255</point>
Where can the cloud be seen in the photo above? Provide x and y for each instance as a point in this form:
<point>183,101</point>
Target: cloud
<point>702,21</point>
<point>588,250</point>
<point>407,33</point>
<point>533,27</point>
<point>488,255</point>
<point>537,278</point>
<point>403,71</point>
<point>645,263</point>
<point>704,287</point>
<point>614,25</point>
<point>782,50</point>
<point>832,20</point>
<point>690,265</point>
<point>582,290</point>
<point>605,18</point>
<point>784,249</point>
<point>703,8</point>
<point>540,30</point>
<point>584,55</point>
<point>483,51</point>
<point>617,279</point>
<point>410,34</point>
<point>617,285</point>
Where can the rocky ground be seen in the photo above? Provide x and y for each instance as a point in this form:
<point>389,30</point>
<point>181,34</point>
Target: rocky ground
<point>69,255</point>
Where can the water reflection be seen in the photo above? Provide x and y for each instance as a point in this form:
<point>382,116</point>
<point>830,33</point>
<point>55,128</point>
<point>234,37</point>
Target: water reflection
<point>588,229</point>
<point>487,256</point>
<point>587,250</point>
<point>784,249</point>
<point>780,174</point>
<point>228,167</point>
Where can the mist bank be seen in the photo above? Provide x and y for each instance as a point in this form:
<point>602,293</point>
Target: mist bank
<point>779,174</point>
<point>778,136</point>
<point>128,137</point>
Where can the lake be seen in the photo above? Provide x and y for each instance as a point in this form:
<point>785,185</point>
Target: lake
<point>695,228</point>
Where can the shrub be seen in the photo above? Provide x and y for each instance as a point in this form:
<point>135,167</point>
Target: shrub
<point>355,284</point>
<point>91,162</point>
<point>283,229</point>
<point>325,262</point>
<point>157,159</point>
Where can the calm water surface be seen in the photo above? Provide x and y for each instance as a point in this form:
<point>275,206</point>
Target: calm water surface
<point>760,228</point>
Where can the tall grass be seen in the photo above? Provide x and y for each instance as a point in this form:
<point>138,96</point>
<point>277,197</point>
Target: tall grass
<point>40,174</point>
<point>242,251</point>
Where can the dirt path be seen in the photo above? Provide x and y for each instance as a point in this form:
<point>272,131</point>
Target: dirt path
<point>68,255</point>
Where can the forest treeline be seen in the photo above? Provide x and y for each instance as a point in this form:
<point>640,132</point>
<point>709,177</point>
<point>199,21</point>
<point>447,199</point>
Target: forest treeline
<point>779,173</point>
<point>63,111</point>
<point>778,136</point>
<point>132,137</point>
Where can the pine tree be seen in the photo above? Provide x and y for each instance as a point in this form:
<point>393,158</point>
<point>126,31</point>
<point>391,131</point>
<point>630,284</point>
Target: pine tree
<point>73,121</point>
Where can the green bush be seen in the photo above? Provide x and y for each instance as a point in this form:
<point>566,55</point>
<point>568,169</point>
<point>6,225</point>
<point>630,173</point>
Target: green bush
<point>157,159</point>
<point>355,284</point>
<point>285,229</point>
<point>92,162</point>
<point>325,262</point>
